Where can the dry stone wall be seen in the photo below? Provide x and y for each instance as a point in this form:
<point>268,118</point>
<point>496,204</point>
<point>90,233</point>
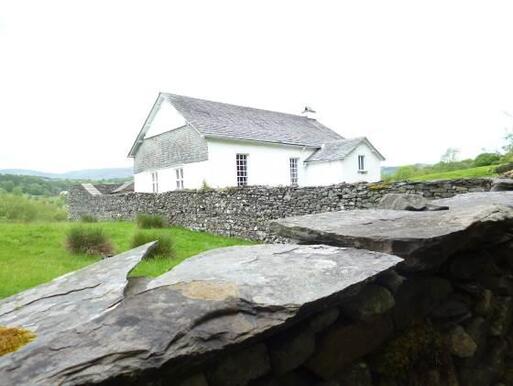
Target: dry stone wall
<point>372,297</point>
<point>246,212</point>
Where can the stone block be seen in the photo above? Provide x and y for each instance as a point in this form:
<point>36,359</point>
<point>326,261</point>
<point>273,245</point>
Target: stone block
<point>324,319</point>
<point>484,305</point>
<point>343,344</point>
<point>358,374</point>
<point>417,297</point>
<point>372,300</point>
<point>461,344</point>
<point>195,380</point>
<point>391,280</point>
<point>241,367</point>
<point>291,349</point>
<point>502,317</point>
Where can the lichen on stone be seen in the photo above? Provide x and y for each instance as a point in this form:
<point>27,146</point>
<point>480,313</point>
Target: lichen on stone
<point>12,338</point>
<point>379,186</point>
<point>420,343</point>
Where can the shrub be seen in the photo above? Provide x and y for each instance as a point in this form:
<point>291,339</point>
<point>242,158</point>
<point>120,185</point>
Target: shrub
<point>22,208</point>
<point>165,247</point>
<point>485,159</point>
<point>91,241</point>
<point>504,168</point>
<point>87,218</point>
<point>205,187</point>
<point>147,221</point>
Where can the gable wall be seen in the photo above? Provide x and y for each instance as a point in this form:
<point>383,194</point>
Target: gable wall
<point>372,165</point>
<point>346,170</point>
<point>179,146</point>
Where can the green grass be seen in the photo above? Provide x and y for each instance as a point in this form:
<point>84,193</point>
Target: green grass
<point>35,253</point>
<point>481,171</point>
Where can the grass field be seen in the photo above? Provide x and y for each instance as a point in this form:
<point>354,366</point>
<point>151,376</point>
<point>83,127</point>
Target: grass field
<point>482,171</point>
<point>34,253</point>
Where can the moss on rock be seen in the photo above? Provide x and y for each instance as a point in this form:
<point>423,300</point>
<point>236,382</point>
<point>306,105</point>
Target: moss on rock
<point>12,338</point>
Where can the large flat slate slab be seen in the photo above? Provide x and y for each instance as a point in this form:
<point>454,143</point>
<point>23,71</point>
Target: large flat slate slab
<point>424,239</point>
<point>478,198</point>
<point>71,299</point>
<point>212,301</point>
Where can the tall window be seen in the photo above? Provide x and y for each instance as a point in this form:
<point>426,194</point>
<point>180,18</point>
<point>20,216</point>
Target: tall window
<point>179,178</point>
<point>293,171</point>
<point>361,163</point>
<point>241,161</point>
<point>155,182</point>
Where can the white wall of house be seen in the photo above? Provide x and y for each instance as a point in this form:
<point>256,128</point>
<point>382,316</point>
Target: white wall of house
<point>268,164</point>
<point>193,173</point>
<point>372,165</point>
<point>346,170</point>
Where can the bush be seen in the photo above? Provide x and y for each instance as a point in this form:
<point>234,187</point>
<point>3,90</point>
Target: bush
<point>165,247</point>
<point>91,241</point>
<point>22,208</point>
<point>87,218</point>
<point>146,221</point>
<point>504,168</point>
<point>485,159</point>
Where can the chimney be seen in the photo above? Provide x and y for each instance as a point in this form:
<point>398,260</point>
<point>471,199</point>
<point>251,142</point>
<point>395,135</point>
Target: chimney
<point>309,112</point>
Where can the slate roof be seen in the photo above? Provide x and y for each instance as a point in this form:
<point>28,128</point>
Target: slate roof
<point>224,120</point>
<point>338,150</point>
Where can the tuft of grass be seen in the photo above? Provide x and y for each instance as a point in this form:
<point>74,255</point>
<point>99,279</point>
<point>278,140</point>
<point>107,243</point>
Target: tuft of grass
<point>87,218</point>
<point>12,338</point>
<point>147,221</point>
<point>88,240</point>
<point>164,248</point>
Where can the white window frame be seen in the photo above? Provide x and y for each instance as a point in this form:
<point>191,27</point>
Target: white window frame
<point>155,181</point>
<point>361,163</point>
<point>293,169</point>
<point>179,178</point>
<point>241,168</point>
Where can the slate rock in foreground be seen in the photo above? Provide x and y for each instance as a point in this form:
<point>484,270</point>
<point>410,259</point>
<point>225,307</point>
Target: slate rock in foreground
<point>424,239</point>
<point>404,201</point>
<point>213,301</point>
<point>71,299</point>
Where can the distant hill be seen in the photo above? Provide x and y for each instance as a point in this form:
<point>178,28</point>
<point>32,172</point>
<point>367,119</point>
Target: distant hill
<point>86,174</point>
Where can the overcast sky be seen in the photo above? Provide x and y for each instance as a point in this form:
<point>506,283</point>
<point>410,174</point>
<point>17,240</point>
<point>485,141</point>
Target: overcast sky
<point>77,78</point>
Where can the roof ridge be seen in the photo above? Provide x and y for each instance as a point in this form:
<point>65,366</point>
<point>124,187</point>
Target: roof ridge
<point>245,107</point>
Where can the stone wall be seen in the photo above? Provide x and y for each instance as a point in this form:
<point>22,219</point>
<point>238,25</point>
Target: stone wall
<point>447,327</point>
<point>245,212</point>
<point>392,298</point>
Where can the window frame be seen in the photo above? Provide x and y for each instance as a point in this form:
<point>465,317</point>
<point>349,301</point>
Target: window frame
<point>241,169</point>
<point>179,178</point>
<point>155,181</point>
<point>294,171</point>
<point>361,163</point>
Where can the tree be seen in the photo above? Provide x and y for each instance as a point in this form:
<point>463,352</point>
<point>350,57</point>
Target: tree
<point>450,155</point>
<point>485,159</point>
<point>508,147</point>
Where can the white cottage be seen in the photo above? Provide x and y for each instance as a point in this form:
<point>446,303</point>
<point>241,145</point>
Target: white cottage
<point>187,143</point>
